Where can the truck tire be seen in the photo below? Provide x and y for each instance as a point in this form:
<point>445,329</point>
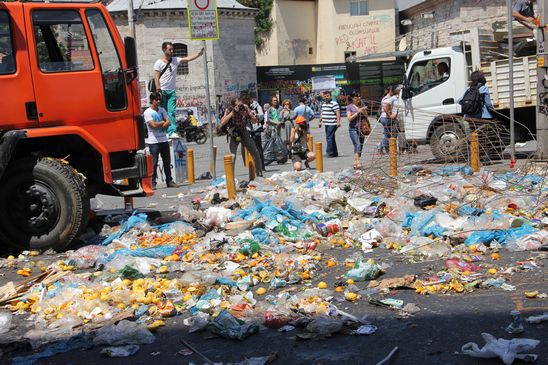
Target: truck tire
<point>448,143</point>
<point>43,204</point>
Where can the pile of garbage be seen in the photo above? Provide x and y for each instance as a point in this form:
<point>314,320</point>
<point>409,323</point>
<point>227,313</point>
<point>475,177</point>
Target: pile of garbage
<point>232,267</point>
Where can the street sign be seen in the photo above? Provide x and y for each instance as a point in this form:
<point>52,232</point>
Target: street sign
<point>203,19</point>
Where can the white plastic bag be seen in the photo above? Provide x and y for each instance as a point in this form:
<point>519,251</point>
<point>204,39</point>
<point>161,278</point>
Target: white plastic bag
<point>507,350</point>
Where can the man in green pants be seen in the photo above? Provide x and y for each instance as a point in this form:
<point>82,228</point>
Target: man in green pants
<point>165,78</point>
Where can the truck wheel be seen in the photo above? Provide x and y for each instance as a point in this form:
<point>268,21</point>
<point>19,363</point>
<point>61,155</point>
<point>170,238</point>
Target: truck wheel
<point>448,143</point>
<point>43,204</point>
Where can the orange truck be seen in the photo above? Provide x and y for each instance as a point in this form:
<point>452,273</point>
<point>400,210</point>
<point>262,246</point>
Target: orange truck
<point>70,120</point>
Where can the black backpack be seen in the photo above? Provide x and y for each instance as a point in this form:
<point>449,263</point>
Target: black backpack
<point>472,101</point>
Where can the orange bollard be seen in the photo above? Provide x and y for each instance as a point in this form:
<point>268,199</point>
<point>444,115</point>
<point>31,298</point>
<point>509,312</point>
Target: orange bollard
<point>393,157</point>
<point>319,157</point>
<point>245,156</point>
<point>310,143</point>
<point>214,159</point>
<point>474,151</point>
<point>190,166</point>
<point>229,174</point>
<point>250,165</point>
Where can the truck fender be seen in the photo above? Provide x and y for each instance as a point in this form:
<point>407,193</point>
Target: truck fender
<point>8,142</point>
<point>68,130</point>
<point>441,119</point>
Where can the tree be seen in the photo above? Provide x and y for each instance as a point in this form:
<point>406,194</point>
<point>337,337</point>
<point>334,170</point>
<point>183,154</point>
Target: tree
<point>263,21</point>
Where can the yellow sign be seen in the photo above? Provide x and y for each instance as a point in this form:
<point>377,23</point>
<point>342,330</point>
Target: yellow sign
<point>203,19</point>
<point>540,61</point>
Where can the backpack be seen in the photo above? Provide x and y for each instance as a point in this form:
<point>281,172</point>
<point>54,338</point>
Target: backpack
<point>472,101</point>
<point>151,84</point>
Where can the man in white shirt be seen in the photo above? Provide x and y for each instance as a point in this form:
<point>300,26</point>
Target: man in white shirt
<point>165,78</point>
<point>157,121</point>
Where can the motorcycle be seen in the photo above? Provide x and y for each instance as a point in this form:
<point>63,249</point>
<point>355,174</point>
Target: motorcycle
<point>190,132</point>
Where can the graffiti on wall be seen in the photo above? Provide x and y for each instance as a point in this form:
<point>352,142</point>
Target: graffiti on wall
<point>365,37</point>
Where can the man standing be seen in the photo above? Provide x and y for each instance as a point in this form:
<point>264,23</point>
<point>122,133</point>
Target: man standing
<point>274,113</point>
<point>157,121</point>
<point>305,111</point>
<point>331,117</point>
<point>524,13</point>
<point>165,78</point>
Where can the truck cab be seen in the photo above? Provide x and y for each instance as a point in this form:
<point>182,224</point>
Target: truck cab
<point>71,125</point>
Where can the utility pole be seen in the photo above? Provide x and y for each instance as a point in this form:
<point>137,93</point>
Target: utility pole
<point>542,82</point>
<point>131,19</point>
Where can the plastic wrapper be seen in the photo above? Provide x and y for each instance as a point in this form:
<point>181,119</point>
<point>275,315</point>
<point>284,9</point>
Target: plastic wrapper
<point>197,322</point>
<point>228,326</point>
<point>217,216</point>
<point>501,236</point>
<point>529,242</point>
<point>364,271</point>
<point>124,333</point>
<point>120,351</point>
<point>131,222</point>
<point>506,350</point>
<point>86,257</point>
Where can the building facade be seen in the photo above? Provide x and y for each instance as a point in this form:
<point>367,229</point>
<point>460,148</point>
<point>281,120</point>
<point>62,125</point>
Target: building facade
<point>231,59</point>
<point>328,31</point>
<point>431,23</point>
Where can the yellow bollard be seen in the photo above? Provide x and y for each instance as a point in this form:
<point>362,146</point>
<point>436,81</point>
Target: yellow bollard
<point>393,156</point>
<point>474,151</point>
<point>245,156</point>
<point>190,166</point>
<point>229,174</point>
<point>250,165</point>
<point>319,157</point>
<point>310,143</point>
<point>214,159</point>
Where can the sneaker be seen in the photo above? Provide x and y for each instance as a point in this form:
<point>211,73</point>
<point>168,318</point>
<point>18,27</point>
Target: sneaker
<point>172,184</point>
<point>174,135</point>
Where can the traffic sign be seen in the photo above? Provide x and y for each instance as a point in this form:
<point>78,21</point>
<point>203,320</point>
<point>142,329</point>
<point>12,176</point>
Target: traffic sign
<point>203,19</point>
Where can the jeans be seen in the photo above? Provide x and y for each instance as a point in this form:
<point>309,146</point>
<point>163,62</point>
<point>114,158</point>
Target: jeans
<point>331,150</point>
<point>249,143</point>
<point>390,130</point>
<point>357,140</point>
<point>257,138</point>
<point>169,103</point>
<point>161,149</point>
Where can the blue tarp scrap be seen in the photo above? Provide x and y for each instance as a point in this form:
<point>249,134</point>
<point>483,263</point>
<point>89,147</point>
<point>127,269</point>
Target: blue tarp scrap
<point>295,217</point>
<point>501,235</point>
<point>150,252</point>
<point>453,170</point>
<point>131,222</point>
<point>468,210</point>
<point>75,343</point>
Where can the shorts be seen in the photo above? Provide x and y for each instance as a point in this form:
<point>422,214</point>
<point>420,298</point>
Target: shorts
<point>298,157</point>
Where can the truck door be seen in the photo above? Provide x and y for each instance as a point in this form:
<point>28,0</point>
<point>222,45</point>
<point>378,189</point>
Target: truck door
<point>17,102</point>
<point>432,90</point>
<point>73,86</point>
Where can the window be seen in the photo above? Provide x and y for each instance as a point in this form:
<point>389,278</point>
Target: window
<point>426,75</point>
<point>181,50</point>
<point>61,41</point>
<point>349,54</point>
<point>7,59</point>
<point>111,67</point>
<point>359,8</point>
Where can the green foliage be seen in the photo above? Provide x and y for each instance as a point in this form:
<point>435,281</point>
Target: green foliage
<point>263,21</point>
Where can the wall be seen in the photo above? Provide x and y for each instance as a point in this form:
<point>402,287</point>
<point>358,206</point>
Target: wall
<point>450,16</point>
<point>366,34</point>
<point>328,27</point>
<point>231,59</point>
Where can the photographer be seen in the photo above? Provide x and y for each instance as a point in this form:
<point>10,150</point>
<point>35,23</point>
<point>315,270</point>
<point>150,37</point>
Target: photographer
<point>299,144</point>
<point>236,118</point>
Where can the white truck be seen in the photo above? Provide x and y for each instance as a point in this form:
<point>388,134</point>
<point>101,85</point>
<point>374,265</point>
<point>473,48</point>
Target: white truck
<point>429,101</point>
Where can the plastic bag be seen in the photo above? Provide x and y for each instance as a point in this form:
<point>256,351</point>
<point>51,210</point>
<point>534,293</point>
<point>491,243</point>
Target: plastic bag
<point>197,322</point>
<point>120,351</point>
<point>370,239</point>
<point>424,200</point>
<point>86,257</point>
<point>5,321</point>
<point>501,236</point>
<point>131,222</point>
<point>275,150</point>
<point>507,350</point>
<point>530,242</point>
<point>364,271</point>
<point>124,333</point>
<point>228,326</point>
<point>323,326</point>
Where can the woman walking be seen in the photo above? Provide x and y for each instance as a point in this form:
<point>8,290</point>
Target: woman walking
<point>357,117</point>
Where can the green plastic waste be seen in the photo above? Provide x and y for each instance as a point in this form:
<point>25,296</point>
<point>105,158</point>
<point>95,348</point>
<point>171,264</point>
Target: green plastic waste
<point>249,247</point>
<point>128,272</point>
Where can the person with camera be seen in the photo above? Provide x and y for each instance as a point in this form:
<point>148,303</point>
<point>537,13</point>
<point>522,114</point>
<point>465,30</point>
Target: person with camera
<point>157,122</point>
<point>235,120</point>
<point>358,126</point>
<point>299,144</point>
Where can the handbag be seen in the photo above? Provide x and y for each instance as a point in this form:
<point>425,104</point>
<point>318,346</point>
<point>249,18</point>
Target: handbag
<point>151,84</point>
<point>365,127</point>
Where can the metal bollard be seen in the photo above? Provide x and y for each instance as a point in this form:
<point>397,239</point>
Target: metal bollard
<point>319,157</point>
<point>250,165</point>
<point>214,159</point>
<point>310,143</point>
<point>393,144</point>
<point>190,166</point>
<point>229,174</point>
<point>474,151</point>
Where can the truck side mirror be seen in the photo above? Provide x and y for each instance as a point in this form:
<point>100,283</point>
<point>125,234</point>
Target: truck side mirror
<point>405,93</point>
<point>131,52</point>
